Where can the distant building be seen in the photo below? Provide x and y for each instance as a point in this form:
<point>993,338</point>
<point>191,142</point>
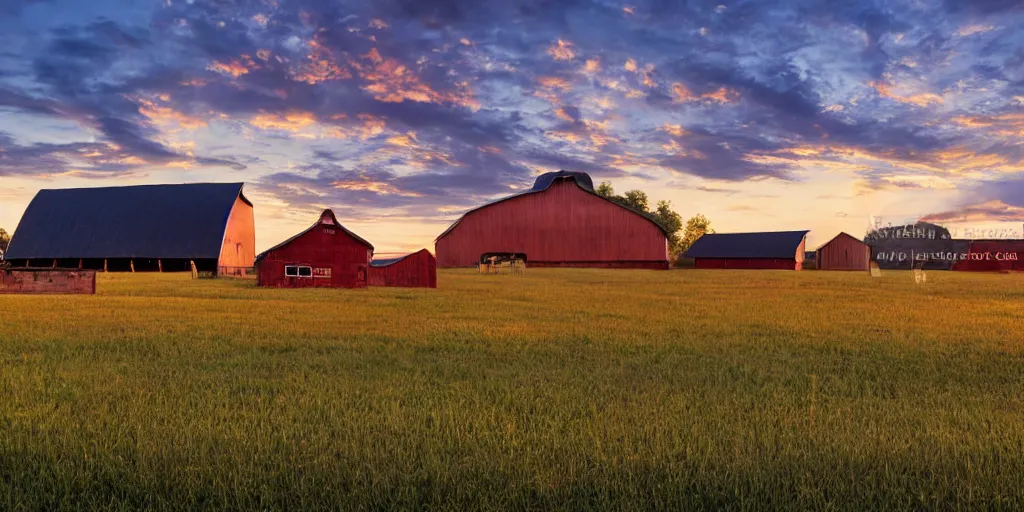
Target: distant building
<point>783,250</point>
<point>324,255</point>
<point>844,252</point>
<point>560,222</point>
<point>139,228</point>
<point>416,270</point>
<point>992,256</point>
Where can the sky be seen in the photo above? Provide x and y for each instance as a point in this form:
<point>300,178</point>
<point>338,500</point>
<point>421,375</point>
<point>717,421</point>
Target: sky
<point>402,114</point>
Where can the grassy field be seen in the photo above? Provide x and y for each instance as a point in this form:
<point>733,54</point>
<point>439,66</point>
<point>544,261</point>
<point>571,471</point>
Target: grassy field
<point>558,390</point>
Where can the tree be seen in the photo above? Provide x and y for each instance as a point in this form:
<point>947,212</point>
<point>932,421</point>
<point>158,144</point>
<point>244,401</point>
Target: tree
<point>696,227</point>
<point>672,222</point>
<point>605,190</point>
<point>637,200</point>
<point>5,239</point>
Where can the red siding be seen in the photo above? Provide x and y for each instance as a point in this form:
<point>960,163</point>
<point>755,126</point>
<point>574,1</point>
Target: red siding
<point>993,256</point>
<point>844,252</point>
<point>748,263</point>
<point>239,246</point>
<point>417,270</point>
<point>47,281</point>
<point>561,226</point>
<point>325,246</point>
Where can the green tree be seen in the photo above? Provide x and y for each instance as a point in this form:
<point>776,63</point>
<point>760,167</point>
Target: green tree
<point>637,200</point>
<point>5,239</point>
<point>696,227</point>
<point>672,222</point>
<point>605,190</point>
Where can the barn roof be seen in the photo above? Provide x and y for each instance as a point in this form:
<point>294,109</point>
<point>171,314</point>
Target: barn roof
<point>841,234</point>
<point>542,183</point>
<point>337,224</point>
<point>775,244</point>
<point>145,221</point>
<point>383,262</point>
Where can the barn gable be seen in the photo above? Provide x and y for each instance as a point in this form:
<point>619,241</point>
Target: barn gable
<point>185,221</point>
<point>327,218</point>
<point>843,252</point>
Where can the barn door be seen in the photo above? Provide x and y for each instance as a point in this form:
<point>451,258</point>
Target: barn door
<point>361,276</point>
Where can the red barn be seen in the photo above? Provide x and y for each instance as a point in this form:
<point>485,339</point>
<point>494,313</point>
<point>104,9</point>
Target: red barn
<point>781,250</point>
<point>325,255</point>
<point>992,256</point>
<point>560,222</point>
<point>416,270</point>
<point>844,252</point>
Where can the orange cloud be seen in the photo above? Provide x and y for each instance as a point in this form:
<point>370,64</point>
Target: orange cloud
<point>563,115</point>
<point>263,54</point>
<point>378,187</point>
<point>682,94</point>
<point>1006,125</point>
<point>991,211</point>
<point>235,68</point>
<point>168,116</point>
<point>673,129</point>
<point>629,9</point>
<point>372,125</point>
<point>562,51</point>
<point>294,121</point>
<point>321,66</point>
<point>630,65</point>
<point>921,100</point>
<point>378,24</point>
<point>592,66</point>
<point>408,140</point>
<point>392,82</point>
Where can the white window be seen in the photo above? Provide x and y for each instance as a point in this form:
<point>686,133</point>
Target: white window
<point>298,271</point>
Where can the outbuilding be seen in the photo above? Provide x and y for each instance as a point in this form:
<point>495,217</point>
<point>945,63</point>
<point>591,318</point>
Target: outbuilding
<point>559,222</point>
<point>781,250</point>
<point>992,256</point>
<point>844,252</point>
<point>138,228</point>
<point>416,270</point>
<point>324,255</point>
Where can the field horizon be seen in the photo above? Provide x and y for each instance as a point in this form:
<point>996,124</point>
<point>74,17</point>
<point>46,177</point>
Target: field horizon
<point>560,389</point>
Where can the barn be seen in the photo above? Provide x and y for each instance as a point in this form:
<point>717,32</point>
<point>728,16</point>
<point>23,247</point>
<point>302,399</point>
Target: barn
<point>559,222</point>
<point>844,252</point>
<point>324,255</point>
<point>781,250</point>
<point>416,270</point>
<point>992,256</point>
<point>138,228</point>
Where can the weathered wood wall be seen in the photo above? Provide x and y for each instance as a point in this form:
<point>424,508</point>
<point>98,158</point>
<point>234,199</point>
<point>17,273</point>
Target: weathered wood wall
<point>417,270</point>
<point>844,252</point>
<point>20,280</point>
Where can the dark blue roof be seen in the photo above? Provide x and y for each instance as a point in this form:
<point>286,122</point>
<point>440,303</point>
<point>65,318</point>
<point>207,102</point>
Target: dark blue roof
<point>542,183</point>
<point>147,221</point>
<point>581,178</point>
<point>776,244</point>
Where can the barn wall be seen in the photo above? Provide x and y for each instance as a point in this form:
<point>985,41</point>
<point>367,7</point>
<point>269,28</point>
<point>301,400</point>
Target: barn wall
<point>417,270</point>
<point>325,247</point>
<point>239,247</point>
<point>47,281</point>
<point>747,263</point>
<point>560,225</point>
<point>992,256</point>
<point>844,253</point>
<point>649,265</point>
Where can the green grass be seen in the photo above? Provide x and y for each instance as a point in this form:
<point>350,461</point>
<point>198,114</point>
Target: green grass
<point>557,390</point>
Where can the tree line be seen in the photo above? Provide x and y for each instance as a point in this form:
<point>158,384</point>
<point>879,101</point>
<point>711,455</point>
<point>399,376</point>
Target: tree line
<point>680,237</point>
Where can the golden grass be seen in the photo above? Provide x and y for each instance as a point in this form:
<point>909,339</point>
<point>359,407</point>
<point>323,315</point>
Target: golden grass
<point>560,389</point>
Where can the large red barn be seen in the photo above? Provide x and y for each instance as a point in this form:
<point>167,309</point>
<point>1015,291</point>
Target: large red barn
<point>416,270</point>
<point>992,256</point>
<point>325,255</point>
<point>844,252</point>
<point>560,222</point>
<point>779,250</point>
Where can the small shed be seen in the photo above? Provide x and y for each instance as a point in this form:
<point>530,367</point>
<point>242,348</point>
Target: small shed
<point>416,270</point>
<point>781,250</point>
<point>47,280</point>
<point>324,255</point>
<point>844,252</point>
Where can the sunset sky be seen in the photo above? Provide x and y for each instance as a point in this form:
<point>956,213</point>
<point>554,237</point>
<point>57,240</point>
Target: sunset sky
<point>401,114</point>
